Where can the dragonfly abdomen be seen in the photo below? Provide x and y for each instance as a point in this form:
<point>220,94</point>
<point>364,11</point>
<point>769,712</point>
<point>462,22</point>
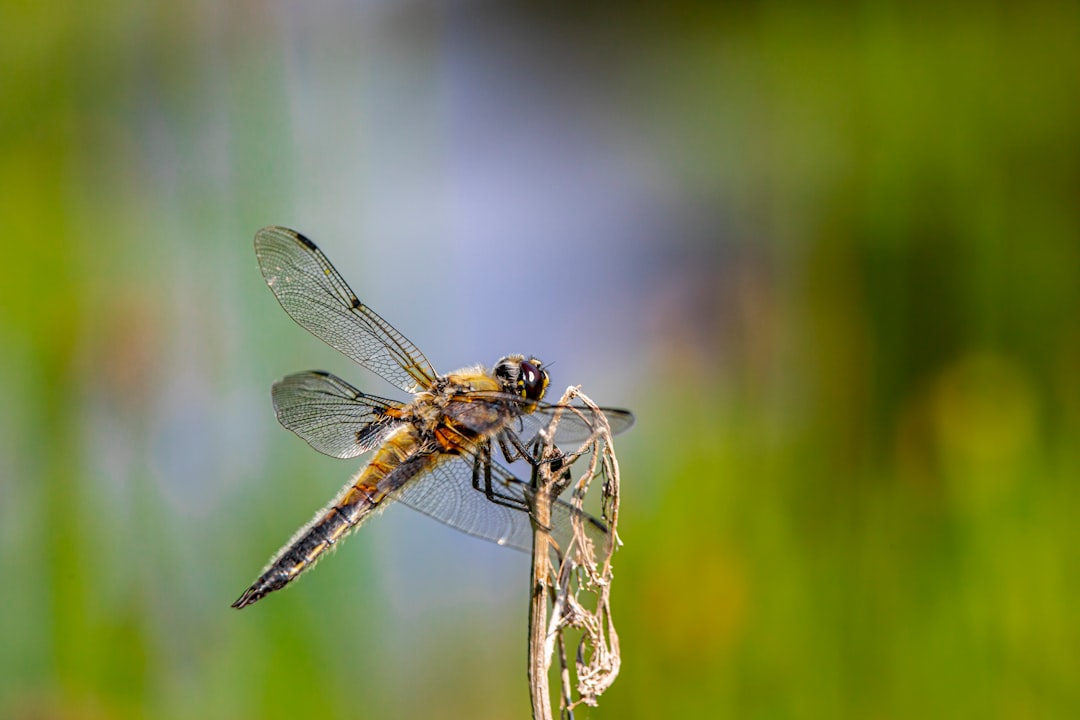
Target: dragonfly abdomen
<point>357,502</point>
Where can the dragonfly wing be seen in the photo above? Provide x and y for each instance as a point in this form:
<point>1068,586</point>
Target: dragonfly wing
<point>577,423</point>
<point>455,491</point>
<point>331,415</point>
<point>315,295</point>
<point>481,411</point>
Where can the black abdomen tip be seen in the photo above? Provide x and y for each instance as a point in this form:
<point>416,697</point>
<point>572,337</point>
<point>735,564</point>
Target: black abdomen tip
<point>251,595</point>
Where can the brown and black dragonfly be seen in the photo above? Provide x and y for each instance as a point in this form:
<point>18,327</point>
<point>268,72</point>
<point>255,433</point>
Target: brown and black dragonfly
<point>433,454</point>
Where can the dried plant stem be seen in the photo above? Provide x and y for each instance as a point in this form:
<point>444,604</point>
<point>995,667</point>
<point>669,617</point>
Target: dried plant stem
<point>539,660</point>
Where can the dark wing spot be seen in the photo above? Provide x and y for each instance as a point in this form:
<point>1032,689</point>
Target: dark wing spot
<point>302,238</point>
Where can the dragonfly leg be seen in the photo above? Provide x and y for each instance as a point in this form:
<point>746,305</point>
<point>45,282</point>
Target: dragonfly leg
<point>514,449</point>
<point>482,482</point>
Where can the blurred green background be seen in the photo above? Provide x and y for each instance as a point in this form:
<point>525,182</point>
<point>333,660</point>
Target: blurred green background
<point>830,256</point>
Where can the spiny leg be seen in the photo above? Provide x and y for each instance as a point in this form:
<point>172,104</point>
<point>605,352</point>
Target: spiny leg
<point>482,481</point>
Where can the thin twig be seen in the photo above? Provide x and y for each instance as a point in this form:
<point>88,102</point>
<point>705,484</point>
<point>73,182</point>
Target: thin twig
<point>539,661</point>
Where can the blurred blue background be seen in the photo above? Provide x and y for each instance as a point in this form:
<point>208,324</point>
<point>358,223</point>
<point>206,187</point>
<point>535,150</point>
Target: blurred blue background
<point>830,256</point>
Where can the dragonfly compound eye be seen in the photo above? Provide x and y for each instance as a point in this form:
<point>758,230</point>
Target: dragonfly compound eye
<point>532,381</point>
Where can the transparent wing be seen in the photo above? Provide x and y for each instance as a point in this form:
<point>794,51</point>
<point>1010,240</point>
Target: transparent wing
<point>314,294</point>
<point>331,415</point>
<point>481,498</point>
<point>576,422</point>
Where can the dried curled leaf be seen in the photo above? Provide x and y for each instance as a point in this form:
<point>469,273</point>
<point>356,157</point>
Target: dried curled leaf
<point>580,585</point>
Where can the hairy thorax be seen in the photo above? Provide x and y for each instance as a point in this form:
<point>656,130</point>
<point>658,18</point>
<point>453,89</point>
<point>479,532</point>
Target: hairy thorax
<point>445,417</point>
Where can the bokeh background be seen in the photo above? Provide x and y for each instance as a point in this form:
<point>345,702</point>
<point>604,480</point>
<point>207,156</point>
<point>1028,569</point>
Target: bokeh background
<point>830,256</point>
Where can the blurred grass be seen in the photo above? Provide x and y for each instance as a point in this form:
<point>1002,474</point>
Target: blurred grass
<point>852,487</point>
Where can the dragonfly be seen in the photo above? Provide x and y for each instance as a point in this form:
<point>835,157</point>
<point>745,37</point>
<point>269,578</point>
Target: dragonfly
<point>435,454</point>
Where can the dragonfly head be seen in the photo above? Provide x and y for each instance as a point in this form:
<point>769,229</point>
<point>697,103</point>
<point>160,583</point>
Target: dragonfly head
<point>525,378</point>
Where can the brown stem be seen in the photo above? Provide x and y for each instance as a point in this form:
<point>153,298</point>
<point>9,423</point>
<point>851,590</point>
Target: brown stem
<point>538,610</point>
